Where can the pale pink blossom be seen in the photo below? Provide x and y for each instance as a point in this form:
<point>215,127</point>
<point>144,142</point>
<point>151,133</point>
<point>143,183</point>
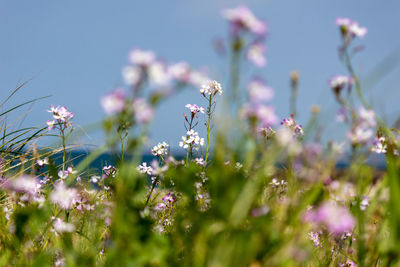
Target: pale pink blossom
<point>113,102</point>
<point>241,18</point>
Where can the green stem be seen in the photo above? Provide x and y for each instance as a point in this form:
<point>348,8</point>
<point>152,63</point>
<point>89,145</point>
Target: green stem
<point>208,129</point>
<point>355,78</point>
<point>63,145</point>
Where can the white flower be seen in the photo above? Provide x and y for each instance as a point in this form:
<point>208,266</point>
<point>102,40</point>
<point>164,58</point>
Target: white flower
<point>199,161</point>
<point>63,196</point>
<point>379,145</point>
<point>145,169</point>
<point>94,179</point>
<point>62,227</point>
<point>191,138</point>
<point>131,74</point>
<point>160,149</point>
<point>211,88</point>
<point>141,57</point>
<point>42,162</point>
<point>195,109</point>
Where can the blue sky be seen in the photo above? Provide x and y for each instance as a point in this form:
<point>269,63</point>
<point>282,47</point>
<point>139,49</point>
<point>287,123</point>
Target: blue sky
<point>76,50</point>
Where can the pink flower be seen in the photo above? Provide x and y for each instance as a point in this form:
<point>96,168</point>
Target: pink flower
<point>241,18</point>
<point>336,219</point>
<point>114,102</point>
<point>292,125</point>
<point>61,113</point>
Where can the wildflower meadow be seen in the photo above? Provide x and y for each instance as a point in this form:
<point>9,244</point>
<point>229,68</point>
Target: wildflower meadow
<point>244,187</point>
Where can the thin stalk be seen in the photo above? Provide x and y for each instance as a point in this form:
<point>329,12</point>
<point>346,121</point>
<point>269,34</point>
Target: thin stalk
<point>209,112</point>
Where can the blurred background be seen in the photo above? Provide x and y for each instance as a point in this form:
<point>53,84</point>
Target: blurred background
<point>75,51</point>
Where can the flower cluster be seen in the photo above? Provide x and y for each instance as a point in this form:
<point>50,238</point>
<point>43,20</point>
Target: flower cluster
<point>315,238</point>
<point>242,19</point>
<point>211,88</point>
<point>292,125</point>
<point>191,140</point>
<point>194,109</point>
<point>61,118</point>
<point>160,150</point>
<point>350,29</point>
<point>145,65</point>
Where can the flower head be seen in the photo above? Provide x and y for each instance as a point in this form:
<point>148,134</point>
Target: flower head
<point>160,150</point>
<point>350,29</point>
<point>194,109</point>
<point>191,139</point>
<point>211,88</point>
<point>145,169</point>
